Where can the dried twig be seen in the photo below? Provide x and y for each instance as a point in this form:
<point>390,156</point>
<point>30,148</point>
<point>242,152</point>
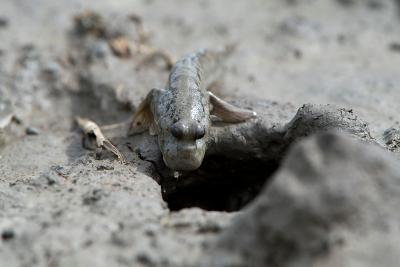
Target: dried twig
<point>150,53</point>
<point>91,128</point>
<point>168,59</point>
<point>143,35</point>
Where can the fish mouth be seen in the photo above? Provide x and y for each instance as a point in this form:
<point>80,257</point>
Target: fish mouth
<point>184,158</point>
<point>183,165</point>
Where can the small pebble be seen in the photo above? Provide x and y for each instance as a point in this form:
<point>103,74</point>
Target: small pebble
<point>7,235</point>
<point>395,47</point>
<point>17,119</point>
<point>297,53</point>
<point>3,22</point>
<point>104,168</point>
<point>32,131</point>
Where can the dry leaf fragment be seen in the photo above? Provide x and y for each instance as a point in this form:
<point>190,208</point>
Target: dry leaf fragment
<point>91,128</point>
<point>165,56</point>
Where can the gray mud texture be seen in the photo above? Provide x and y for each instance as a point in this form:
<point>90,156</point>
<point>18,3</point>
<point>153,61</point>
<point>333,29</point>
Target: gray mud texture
<point>314,180</point>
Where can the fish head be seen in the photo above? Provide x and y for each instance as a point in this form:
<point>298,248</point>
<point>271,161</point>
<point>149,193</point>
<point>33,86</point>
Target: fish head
<point>183,139</point>
<point>183,145</point>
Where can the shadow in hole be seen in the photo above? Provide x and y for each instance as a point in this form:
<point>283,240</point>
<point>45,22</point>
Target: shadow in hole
<point>235,171</point>
<point>221,184</point>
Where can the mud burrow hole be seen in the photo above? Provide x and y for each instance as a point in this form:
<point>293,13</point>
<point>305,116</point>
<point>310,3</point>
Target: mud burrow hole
<point>221,184</point>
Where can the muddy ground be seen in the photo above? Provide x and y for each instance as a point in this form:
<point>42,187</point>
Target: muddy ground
<point>63,205</point>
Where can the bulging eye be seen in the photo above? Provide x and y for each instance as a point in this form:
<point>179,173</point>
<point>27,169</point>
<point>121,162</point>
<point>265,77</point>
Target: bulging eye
<point>199,132</point>
<point>177,130</point>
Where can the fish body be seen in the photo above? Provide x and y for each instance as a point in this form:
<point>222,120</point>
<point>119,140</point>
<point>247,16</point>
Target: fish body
<point>180,114</point>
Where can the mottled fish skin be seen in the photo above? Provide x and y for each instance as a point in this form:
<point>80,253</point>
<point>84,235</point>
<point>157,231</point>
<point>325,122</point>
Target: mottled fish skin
<point>180,114</point>
<point>185,106</point>
<point>189,80</point>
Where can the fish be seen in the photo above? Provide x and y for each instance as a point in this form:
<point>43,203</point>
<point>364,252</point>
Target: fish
<point>180,114</point>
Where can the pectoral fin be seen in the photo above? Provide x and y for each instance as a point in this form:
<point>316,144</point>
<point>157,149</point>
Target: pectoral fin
<point>143,118</point>
<point>228,112</point>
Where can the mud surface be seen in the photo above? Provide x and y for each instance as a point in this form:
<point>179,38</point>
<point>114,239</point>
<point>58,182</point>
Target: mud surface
<point>303,65</point>
<point>332,203</point>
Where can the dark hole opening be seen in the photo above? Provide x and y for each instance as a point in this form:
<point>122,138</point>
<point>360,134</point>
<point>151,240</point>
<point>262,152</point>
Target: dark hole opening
<point>220,184</point>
